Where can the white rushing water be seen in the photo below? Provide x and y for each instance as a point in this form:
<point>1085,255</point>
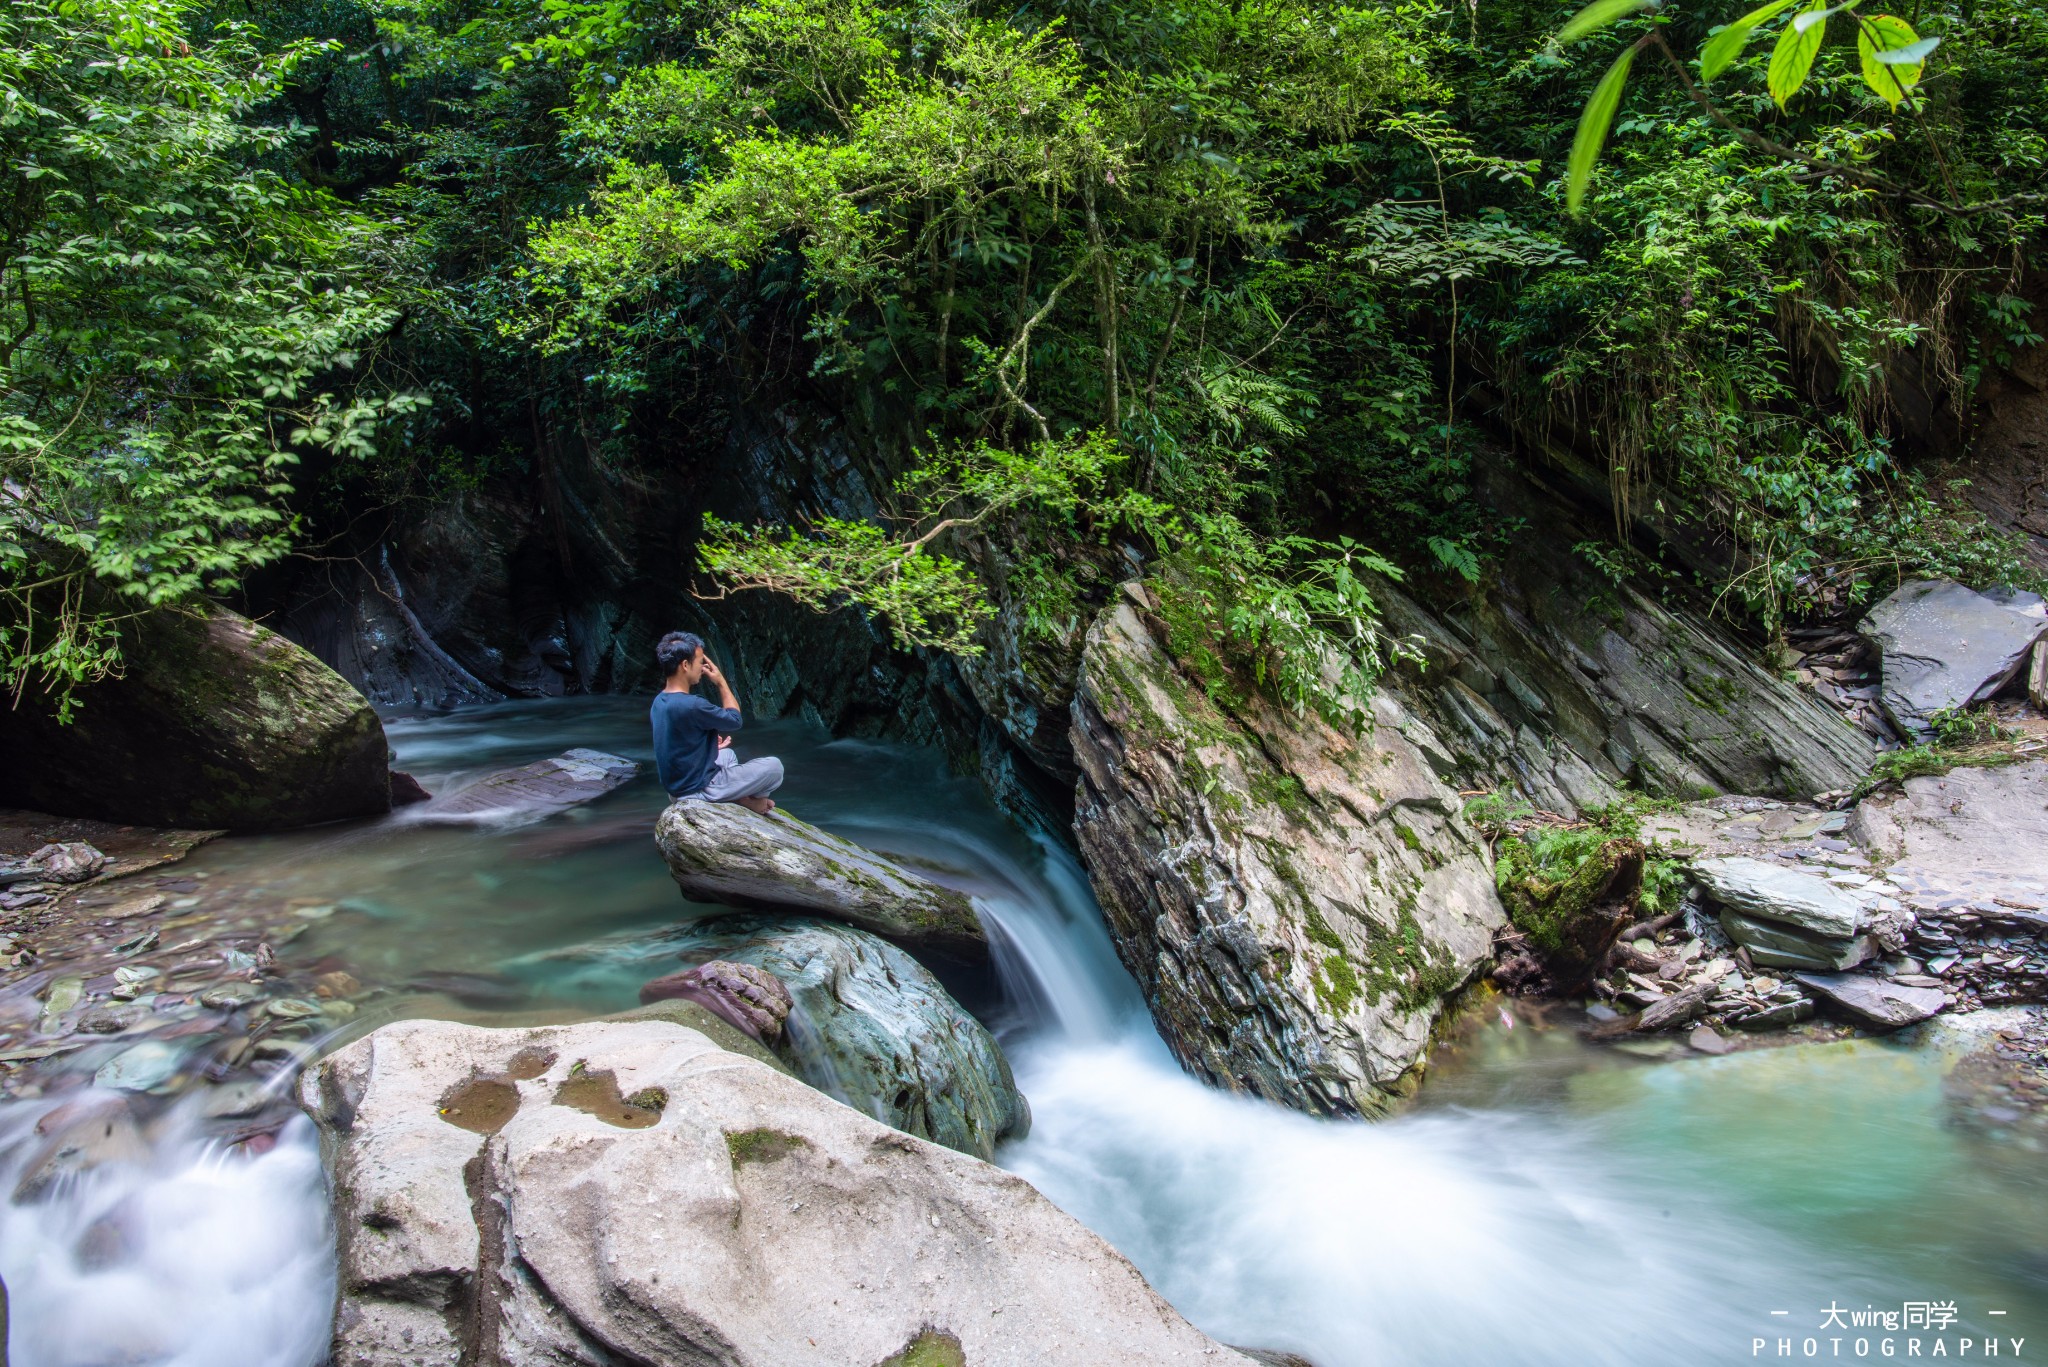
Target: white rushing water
<point>184,1255</point>
<point>1567,1207</point>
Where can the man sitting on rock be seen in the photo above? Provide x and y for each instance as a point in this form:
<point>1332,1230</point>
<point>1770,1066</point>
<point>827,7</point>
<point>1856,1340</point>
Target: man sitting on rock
<point>693,739</point>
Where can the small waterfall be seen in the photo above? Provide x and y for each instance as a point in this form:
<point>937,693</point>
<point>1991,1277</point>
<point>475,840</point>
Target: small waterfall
<point>180,1250</point>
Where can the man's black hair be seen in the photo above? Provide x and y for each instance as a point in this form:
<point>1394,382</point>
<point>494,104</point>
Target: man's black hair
<point>675,650</point>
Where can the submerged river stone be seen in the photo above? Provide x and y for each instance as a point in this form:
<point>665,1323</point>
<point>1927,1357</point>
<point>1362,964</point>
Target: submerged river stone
<point>869,1025</point>
<point>739,1218</point>
<point>548,785</point>
<point>214,722</point>
<point>721,852</point>
<point>1296,903</point>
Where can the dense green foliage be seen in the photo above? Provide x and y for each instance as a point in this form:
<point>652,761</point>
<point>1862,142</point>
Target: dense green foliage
<point>1245,285</point>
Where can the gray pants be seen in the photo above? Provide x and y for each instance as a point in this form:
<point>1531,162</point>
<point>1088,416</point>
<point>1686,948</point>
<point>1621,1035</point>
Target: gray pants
<point>731,780</point>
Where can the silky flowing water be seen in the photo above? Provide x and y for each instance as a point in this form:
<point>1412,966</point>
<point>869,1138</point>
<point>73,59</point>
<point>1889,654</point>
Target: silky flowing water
<point>1546,1202</point>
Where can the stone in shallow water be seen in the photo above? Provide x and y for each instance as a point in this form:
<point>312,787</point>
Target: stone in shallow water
<point>548,785</point>
<point>721,852</point>
<point>1886,1005</point>
<point>146,1066</point>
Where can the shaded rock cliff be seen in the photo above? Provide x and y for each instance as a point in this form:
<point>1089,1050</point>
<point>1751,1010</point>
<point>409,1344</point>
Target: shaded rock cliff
<point>1295,904</point>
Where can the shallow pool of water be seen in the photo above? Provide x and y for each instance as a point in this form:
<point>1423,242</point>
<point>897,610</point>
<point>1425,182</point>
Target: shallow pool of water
<point>1546,1202</point>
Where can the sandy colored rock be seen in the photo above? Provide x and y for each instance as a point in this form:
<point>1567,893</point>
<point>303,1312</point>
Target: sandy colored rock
<point>755,1221</point>
<point>1296,904</point>
<point>721,852</point>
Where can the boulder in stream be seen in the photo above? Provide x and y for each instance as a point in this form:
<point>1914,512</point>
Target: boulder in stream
<point>213,722</point>
<point>865,1023</point>
<point>1295,903</point>
<point>545,786</point>
<point>721,852</point>
<point>628,1192</point>
<point>1945,647</point>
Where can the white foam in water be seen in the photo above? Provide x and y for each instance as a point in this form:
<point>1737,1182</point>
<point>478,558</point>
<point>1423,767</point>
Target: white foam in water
<point>198,1258</point>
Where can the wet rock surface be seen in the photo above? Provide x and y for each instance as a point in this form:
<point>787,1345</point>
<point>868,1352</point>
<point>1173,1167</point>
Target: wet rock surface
<point>860,1019</point>
<point>215,722</point>
<point>813,1234</point>
<point>1295,904</point>
<point>545,786</point>
<point>1944,647</point>
<point>721,852</point>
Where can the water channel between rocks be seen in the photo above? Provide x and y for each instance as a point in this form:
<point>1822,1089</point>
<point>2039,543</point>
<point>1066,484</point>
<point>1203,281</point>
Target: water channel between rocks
<point>1546,1202</point>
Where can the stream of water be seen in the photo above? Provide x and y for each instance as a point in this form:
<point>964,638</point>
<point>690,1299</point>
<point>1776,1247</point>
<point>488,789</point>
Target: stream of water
<point>1547,1202</point>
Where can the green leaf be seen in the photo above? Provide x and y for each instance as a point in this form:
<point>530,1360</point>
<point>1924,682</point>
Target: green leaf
<point>1793,58</point>
<point>1599,15</point>
<point>1883,42</point>
<point>1725,46</point>
<point>1593,125</point>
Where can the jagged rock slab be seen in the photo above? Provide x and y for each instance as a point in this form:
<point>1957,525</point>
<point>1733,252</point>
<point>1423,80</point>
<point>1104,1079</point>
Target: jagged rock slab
<point>721,852</point>
<point>716,1214</point>
<point>1777,945</point>
<point>1946,646</point>
<point>548,785</point>
<point>1774,892</point>
<point>1295,904</point>
<point>1886,1005</point>
<point>870,1026</point>
<point>215,722</point>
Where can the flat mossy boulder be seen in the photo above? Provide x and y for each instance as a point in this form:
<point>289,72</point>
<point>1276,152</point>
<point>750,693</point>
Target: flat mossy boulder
<point>1296,903</point>
<point>214,722</point>
<point>721,852</point>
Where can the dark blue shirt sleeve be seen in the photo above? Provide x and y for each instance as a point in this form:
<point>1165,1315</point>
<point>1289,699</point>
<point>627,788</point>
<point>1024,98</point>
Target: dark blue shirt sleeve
<point>724,720</point>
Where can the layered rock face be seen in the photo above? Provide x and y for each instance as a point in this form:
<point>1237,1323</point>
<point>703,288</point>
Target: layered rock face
<point>1296,904</point>
<point>628,1192</point>
<point>215,722</point>
<point>1564,683</point>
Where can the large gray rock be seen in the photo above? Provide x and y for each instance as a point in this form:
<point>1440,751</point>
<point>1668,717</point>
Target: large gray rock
<point>214,722</point>
<point>1874,1001</point>
<point>870,1026</point>
<point>1775,892</point>
<point>1295,903</point>
<point>548,785</point>
<point>1946,646</point>
<point>714,1214</point>
<point>721,852</point>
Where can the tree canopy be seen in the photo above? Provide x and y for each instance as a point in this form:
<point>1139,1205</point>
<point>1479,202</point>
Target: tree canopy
<point>1246,284</point>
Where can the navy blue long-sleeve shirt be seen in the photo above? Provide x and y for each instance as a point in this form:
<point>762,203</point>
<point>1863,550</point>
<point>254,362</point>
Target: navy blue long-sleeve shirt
<point>686,732</point>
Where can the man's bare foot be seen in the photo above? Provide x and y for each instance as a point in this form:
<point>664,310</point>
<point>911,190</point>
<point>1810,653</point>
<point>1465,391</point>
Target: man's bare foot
<point>759,806</point>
